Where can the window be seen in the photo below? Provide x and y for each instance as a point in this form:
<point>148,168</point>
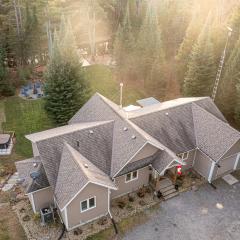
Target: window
<point>131,176</point>
<point>88,204</point>
<point>184,155</point>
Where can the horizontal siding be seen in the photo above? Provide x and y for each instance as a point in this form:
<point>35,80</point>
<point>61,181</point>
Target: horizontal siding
<point>43,198</point>
<point>202,164</point>
<point>124,188</point>
<point>76,217</point>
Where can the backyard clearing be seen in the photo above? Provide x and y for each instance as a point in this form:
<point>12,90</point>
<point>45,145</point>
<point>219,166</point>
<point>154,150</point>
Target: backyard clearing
<point>202,215</point>
<point>10,227</point>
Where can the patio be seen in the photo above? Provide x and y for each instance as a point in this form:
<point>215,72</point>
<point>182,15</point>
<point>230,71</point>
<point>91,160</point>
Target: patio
<point>33,90</point>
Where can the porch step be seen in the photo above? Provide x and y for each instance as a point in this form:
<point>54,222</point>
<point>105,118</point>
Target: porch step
<point>171,195</point>
<point>170,191</point>
<point>165,189</point>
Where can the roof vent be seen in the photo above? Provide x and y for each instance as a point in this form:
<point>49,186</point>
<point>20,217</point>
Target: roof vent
<point>85,165</point>
<point>91,131</point>
<point>166,113</point>
<point>35,164</point>
<point>125,129</point>
<point>133,137</point>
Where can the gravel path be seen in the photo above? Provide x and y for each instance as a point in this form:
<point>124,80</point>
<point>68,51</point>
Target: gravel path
<point>207,214</point>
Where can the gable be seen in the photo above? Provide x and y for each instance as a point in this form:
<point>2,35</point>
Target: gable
<point>147,151</point>
<point>213,136</point>
<point>233,150</point>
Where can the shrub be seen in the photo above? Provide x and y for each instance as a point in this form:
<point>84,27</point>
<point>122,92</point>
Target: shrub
<point>121,204</point>
<point>131,198</point>
<point>36,217</point>
<point>141,192</point>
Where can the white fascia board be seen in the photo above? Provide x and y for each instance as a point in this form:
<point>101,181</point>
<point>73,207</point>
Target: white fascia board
<point>33,203</point>
<point>39,190</point>
<point>103,185</point>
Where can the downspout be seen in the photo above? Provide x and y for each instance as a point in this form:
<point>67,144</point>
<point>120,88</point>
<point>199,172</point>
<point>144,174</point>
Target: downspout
<point>109,212</point>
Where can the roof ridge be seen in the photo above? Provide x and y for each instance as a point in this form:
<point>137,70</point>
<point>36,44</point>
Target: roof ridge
<point>170,107</point>
<point>71,130</point>
<point>73,153</point>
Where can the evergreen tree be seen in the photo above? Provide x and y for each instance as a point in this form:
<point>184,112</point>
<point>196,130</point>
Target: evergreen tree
<point>66,89</point>
<point>184,51</point>
<point>124,47</point>
<point>201,72</point>
<point>227,95</point>
<point>5,88</point>
<point>150,55</point>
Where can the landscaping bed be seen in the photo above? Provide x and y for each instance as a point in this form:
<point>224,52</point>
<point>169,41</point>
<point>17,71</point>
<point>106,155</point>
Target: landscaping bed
<point>121,209</point>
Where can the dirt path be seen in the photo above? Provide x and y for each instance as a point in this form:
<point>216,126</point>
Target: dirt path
<point>10,227</point>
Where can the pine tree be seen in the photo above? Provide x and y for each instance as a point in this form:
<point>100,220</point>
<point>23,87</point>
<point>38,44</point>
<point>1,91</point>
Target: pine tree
<point>230,87</point>
<point>186,46</point>
<point>201,72</point>
<point>5,88</point>
<point>66,89</point>
<point>124,47</point>
<point>150,55</point>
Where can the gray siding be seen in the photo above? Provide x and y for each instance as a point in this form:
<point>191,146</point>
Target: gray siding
<point>74,214</point>
<point>202,164</point>
<point>227,165</point>
<point>43,198</point>
<point>124,188</point>
<point>147,151</point>
<point>189,161</point>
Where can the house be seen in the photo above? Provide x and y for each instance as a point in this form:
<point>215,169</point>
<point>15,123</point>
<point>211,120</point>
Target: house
<point>106,152</point>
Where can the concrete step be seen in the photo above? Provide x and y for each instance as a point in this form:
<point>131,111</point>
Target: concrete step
<point>171,195</point>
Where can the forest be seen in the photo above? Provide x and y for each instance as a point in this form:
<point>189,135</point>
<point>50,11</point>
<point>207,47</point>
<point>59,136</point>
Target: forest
<point>166,48</point>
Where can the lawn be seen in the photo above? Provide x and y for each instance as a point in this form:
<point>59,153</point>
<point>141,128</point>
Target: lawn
<point>24,117</point>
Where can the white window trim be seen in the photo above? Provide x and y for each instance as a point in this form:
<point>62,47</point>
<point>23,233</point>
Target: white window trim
<point>131,179</point>
<point>88,208</point>
<point>181,155</point>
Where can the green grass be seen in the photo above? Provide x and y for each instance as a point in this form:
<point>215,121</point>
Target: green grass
<point>102,80</point>
<point>25,117</point>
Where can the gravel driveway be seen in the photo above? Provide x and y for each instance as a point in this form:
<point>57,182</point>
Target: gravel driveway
<point>207,214</point>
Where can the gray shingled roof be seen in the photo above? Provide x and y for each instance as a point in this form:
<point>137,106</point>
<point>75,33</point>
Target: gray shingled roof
<point>172,127</point>
<point>75,171</point>
<point>214,137</point>
<point>106,137</point>
<point>99,108</point>
<point>25,168</point>
<point>161,161</point>
<point>94,143</point>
